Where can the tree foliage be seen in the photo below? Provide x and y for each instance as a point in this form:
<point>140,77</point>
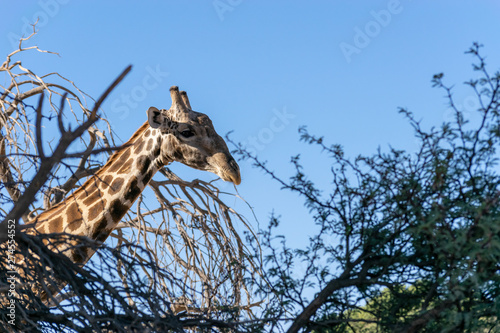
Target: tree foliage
<point>406,241</point>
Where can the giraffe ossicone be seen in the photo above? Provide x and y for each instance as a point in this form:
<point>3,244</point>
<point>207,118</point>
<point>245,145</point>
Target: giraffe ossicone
<point>175,134</point>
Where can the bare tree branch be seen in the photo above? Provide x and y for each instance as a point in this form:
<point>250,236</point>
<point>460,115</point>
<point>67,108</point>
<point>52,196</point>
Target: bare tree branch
<point>182,251</point>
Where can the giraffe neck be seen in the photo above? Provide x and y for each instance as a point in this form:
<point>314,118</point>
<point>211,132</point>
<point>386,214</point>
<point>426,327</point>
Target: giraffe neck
<point>100,203</point>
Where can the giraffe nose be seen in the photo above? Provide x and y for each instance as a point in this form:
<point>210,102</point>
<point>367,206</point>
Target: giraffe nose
<point>235,176</point>
<point>226,167</point>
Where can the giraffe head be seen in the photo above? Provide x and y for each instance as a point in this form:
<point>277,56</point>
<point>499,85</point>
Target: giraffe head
<point>189,137</point>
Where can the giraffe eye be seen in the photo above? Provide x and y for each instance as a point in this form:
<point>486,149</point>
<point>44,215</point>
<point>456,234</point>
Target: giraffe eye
<point>187,133</point>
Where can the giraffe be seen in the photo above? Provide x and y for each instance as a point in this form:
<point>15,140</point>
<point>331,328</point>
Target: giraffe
<point>177,134</point>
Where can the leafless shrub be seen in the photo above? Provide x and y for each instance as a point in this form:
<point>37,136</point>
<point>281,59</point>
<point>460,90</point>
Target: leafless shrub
<point>98,299</point>
<point>176,264</point>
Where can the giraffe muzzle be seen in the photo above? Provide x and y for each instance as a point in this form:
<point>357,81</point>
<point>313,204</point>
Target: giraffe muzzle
<point>235,172</point>
<point>225,167</point>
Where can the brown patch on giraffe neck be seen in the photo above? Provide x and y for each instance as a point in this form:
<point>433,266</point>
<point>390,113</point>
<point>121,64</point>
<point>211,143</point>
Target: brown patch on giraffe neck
<point>116,186</point>
<point>101,230</point>
<point>138,147</point>
<point>96,209</point>
<point>117,209</point>
<point>150,145</point>
<point>57,224</point>
<point>143,164</point>
<point>80,254</point>
<point>74,217</point>
<point>90,198</point>
<point>133,190</point>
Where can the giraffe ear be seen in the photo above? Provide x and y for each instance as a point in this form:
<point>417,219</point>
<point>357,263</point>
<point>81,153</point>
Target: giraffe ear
<point>154,117</point>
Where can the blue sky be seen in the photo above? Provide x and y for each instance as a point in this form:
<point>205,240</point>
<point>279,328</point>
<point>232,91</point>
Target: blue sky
<point>263,68</point>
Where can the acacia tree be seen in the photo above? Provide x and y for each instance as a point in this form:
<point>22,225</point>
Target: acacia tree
<point>407,241</point>
<point>175,265</point>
